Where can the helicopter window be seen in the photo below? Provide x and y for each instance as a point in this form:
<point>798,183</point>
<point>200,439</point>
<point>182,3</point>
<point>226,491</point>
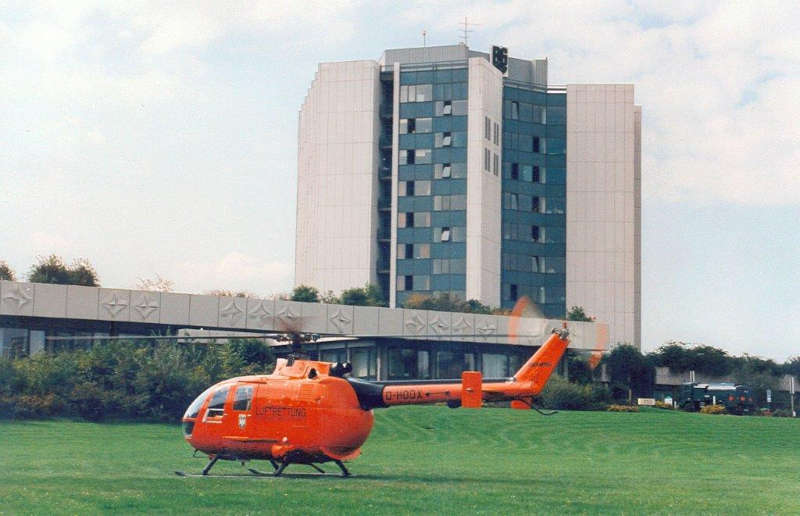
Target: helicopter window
<point>243,398</point>
<point>216,407</point>
<point>194,408</point>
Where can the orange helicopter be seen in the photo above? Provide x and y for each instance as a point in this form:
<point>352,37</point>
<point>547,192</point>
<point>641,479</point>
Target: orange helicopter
<point>308,412</point>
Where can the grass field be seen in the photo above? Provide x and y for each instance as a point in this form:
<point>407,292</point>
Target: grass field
<point>426,460</point>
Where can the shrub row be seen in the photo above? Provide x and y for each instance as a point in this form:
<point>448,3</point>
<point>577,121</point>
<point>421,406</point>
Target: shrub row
<point>622,408</point>
<point>559,394</point>
<point>122,380</point>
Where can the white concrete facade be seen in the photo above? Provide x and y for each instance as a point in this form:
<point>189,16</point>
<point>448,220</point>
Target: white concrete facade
<point>484,187</point>
<point>45,301</point>
<point>604,207</point>
<point>338,141</point>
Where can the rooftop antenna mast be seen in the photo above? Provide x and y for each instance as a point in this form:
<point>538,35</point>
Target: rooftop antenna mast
<point>424,38</point>
<point>466,30</point>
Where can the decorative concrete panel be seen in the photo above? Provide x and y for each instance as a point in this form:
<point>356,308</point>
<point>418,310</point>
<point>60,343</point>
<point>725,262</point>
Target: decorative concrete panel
<point>415,322</point>
<point>366,320</point>
<point>462,325</point>
<point>114,305</point>
<point>314,317</point>
<point>288,315</point>
<point>439,325</point>
<point>49,300</point>
<point>391,322</point>
<point>260,314</point>
<point>145,306</point>
<point>16,298</point>
<point>527,331</point>
<point>175,308</point>
<point>503,327</point>
<point>82,302</point>
<point>486,328</point>
<point>204,311</point>
<point>232,312</point>
<point>340,319</point>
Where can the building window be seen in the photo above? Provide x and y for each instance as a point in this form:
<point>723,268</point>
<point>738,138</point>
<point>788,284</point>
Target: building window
<point>405,189</point>
<point>496,164</point>
<point>443,139</point>
<point>422,219</point>
<point>416,93</point>
<point>487,160</point>
<point>536,144</point>
<point>405,251</point>
<point>514,110</point>
<point>405,283</point>
<point>406,157</point>
<point>422,282</point>
<point>445,235</point>
<point>496,139</point>
<point>415,125</point>
<point>422,251</point>
<point>444,108</point>
<point>515,171</point>
<point>405,220</point>
<point>442,171</point>
<point>487,128</point>
<point>513,292</point>
<point>536,205</point>
<point>536,175</point>
<point>422,156</point>
<point>511,201</point>
<point>535,233</point>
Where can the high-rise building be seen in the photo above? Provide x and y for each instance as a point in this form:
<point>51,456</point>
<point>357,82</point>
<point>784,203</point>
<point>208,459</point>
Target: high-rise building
<point>443,169</point>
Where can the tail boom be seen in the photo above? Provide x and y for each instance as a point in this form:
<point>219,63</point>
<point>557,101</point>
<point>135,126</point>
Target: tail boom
<point>527,382</point>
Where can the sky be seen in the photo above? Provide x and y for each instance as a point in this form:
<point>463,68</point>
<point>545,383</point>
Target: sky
<point>159,138</point>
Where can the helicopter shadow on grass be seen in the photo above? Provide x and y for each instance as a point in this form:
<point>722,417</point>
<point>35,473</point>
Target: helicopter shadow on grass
<point>524,482</point>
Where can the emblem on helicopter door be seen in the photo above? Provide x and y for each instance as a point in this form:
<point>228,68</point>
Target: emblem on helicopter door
<point>242,420</point>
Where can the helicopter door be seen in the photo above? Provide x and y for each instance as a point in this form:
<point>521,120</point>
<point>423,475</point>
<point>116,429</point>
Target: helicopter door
<point>242,405</point>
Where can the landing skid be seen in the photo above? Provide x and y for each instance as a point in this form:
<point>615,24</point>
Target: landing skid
<point>278,469</point>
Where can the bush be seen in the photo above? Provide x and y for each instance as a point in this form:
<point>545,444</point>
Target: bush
<point>123,379</point>
<point>560,394</point>
<point>662,405</point>
<point>713,409</point>
<point>623,408</point>
<point>782,413</point>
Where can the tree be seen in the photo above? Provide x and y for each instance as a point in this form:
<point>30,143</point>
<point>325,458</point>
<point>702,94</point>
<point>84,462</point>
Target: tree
<point>330,298</point>
<point>157,284</point>
<point>630,371</point>
<point>81,272</point>
<point>368,295</point>
<point>445,302</point>
<point>229,293</point>
<point>51,269</point>
<point>576,313</point>
<point>305,293</point>
<point>792,366</point>
<point>5,272</point>
<point>474,306</point>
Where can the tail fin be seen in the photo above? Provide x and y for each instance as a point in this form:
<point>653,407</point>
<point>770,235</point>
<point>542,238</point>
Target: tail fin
<point>540,366</point>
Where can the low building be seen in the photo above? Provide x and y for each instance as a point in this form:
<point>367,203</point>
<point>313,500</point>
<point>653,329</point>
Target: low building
<point>381,343</point>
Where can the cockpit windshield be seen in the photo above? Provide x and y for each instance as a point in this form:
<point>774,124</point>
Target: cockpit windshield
<point>194,408</point>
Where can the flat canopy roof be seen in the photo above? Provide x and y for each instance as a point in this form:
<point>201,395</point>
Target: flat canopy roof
<point>175,310</point>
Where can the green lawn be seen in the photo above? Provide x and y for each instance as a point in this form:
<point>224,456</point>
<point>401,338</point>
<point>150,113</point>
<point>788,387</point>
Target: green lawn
<point>426,460</point>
